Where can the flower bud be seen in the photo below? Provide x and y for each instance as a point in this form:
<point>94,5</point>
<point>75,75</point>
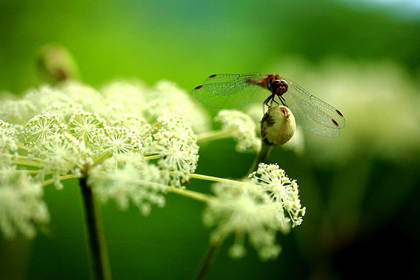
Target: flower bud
<point>56,64</point>
<point>277,126</point>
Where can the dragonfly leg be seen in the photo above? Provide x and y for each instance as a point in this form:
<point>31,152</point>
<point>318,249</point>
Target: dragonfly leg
<point>283,101</point>
<point>270,98</point>
<point>269,102</point>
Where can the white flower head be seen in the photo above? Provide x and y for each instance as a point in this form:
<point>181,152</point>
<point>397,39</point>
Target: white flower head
<point>40,127</point>
<point>84,126</point>
<point>34,102</point>
<point>256,209</point>
<point>176,144</point>
<point>166,98</point>
<point>63,154</point>
<point>8,142</point>
<point>134,96</point>
<point>283,192</point>
<point>21,204</point>
<point>125,178</point>
<point>65,110</point>
<point>85,96</point>
<point>138,126</point>
<point>243,129</point>
<point>117,140</point>
<point>17,111</point>
<point>244,210</point>
<point>45,96</point>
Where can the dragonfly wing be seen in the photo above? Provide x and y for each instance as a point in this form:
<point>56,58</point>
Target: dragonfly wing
<point>312,113</point>
<point>226,90</point>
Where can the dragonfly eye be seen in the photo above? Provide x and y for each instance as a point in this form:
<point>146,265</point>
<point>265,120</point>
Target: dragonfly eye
<point>279,87</point>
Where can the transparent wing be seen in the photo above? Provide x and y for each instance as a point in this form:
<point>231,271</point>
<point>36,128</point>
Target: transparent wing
<point>227,90</point>
<point>312,113</point>
<point>236,90</point>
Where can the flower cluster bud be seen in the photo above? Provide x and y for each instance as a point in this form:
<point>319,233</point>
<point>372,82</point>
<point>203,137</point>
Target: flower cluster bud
<point>277,126</point>
<point>56,64</point>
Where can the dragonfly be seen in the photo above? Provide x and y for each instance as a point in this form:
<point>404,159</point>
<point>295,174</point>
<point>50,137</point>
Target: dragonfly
<point>236,90</point>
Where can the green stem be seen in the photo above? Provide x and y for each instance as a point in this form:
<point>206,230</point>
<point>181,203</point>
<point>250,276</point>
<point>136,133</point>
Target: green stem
<point>152,157</point>
<point>98,251</point>
<point>23,147</point>
<point>25,158</point>
<point>33,171</point>
<point>101,158</point>
<point>212,178</point>
<point>214,135</point>
<point>261,157</point>
<point>191,194</point>
<point>208,260</point>
<point>64,177</point>
<point>27,163</point>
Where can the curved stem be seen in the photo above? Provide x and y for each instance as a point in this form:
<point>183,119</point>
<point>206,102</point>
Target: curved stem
<point>98,251</point>
<point>208,260</point>
<point>261,157</point>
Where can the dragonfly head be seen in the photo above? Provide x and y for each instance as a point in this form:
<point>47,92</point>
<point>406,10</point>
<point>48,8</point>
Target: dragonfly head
<point>278,87</point>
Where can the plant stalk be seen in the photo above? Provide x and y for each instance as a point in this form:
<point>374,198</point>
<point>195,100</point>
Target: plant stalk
<point>98,252</point>
<point>210,256</point>
<point>261,157</point>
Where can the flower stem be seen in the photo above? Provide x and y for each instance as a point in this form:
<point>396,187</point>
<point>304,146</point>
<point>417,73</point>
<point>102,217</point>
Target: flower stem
<point>62,178</point>
<point>26,171</point>
<point>152,157</point>
<point>23,147</point>
<point>261,157</point>
<point>25,158</point>
<point>101,158</point>
<point>27,163</point>
<point>98,251</point>
<point>210,255</point>
<point>214,135</point>
<point>191,194</point>
<point>213,179</point>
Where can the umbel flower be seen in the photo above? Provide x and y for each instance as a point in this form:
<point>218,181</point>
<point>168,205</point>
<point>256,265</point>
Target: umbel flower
<point>127,153</point>
<point>243,129</point>
<point>257,208</point>
<point>132,144</point>
<point>21,204</point>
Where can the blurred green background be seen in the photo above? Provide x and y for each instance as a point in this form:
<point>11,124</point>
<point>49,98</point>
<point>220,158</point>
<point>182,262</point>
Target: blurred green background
<point>361,189</point>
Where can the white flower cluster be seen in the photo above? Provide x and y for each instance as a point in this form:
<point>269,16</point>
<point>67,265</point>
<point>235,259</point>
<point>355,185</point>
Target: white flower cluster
<point>243,129</point>
<point>126,178</point>
<point>8,146</point>
<point>284,193</point>
<point>130,142</point>
<point>257,208</point>
<point>132,145</point>
<point>176,144</point>
<point>21,205</point>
